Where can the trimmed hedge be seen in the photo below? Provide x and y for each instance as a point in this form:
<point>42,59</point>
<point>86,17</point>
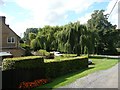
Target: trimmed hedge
<point>22,62</point>
<point>58,68</point>
<point>16,70</point>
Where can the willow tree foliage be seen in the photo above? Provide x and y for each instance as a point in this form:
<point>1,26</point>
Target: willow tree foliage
<point>32,36</point>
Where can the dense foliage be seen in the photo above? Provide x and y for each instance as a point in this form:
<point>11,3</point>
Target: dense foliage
<point>98,36</point>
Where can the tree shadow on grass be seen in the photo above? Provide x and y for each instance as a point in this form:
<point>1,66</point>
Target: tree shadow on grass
<point>59,80</point>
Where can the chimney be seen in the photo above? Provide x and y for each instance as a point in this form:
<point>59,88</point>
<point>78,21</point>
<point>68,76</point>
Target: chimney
<point>8,25</point>
<point>2,18</point>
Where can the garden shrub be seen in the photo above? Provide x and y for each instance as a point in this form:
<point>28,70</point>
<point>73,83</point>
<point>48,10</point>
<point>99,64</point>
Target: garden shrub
<point>27,49</point>
<point>43,52</point>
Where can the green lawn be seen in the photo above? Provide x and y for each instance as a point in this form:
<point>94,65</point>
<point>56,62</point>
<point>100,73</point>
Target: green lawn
<point>99,64</point>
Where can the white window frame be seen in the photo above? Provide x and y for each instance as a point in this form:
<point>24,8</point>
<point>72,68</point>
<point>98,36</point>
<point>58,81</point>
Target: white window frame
<point>11,40</point>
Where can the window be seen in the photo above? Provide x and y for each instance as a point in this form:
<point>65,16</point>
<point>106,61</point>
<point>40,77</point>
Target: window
<point>11,40</point>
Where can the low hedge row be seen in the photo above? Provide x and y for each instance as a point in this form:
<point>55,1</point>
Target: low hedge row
<point>22,62</point>
<point>58,68</point>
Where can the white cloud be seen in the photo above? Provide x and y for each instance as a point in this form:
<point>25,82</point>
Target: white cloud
<point>49,12</point>
<point>20,26</point>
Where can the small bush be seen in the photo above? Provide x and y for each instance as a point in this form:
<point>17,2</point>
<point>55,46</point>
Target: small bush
<point>27,49</point>
<point>43,52</point>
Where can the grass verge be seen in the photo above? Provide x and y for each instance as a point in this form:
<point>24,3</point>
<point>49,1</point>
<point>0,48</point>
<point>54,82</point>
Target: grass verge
<point>99,64</point>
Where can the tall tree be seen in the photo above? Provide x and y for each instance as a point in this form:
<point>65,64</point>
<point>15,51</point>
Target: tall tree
<point>99,24</point>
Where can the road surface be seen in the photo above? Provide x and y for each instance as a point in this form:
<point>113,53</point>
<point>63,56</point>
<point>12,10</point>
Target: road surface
<point>101,79</point>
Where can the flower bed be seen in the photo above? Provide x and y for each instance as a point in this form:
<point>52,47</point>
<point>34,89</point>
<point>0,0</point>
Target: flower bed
<point>35,83</point>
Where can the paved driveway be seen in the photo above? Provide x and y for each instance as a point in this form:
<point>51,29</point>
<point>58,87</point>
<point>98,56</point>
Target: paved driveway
<point>101,79</point>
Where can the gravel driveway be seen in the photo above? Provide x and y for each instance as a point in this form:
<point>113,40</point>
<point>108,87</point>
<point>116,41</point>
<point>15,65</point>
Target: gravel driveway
<point>101,79</point>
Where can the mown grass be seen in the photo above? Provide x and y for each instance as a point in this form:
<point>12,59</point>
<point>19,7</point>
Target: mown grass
<point>99,64</point>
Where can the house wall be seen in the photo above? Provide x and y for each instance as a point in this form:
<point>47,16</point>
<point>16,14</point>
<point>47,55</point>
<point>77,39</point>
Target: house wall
<point>6,32</point>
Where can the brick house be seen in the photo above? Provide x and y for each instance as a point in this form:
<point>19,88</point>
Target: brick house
<point>9,40</point>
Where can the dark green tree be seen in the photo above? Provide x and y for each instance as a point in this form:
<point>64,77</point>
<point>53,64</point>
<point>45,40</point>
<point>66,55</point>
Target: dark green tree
<point>103,29</point>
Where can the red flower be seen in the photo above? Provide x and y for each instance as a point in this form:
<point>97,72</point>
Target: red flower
<point>33,84</point>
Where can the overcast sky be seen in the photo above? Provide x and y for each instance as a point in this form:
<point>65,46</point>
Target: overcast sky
<point>22,14</point>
